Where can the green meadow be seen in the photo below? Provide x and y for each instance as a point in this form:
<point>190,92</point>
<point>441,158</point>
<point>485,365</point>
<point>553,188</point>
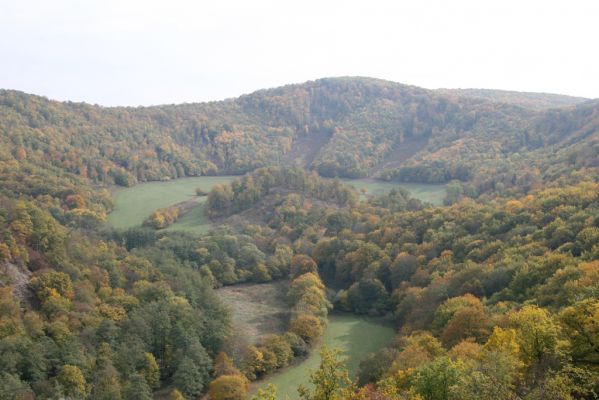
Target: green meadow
<point>355,336</point>
<point>133,205</point>
<point>431,193</point>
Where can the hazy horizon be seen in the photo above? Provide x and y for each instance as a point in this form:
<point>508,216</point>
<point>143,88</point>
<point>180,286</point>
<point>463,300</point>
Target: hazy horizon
<point>152,52</point>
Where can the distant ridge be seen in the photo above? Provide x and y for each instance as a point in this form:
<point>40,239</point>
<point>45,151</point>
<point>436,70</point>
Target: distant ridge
<point>340,127</point>
<point>534,100</point>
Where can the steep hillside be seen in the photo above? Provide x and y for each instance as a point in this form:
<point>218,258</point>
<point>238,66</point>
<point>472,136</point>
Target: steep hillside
<point>347,127</point>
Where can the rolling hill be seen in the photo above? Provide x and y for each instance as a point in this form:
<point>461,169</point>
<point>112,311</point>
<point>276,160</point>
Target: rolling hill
<point>499,285</point>
<point>346,127</point>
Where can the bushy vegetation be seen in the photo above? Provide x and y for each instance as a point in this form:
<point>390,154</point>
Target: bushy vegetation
<point>459,281</point>
<point>83,316</point>
<point>243,193</point>
<point>493,295</point>
<point>163,217</point>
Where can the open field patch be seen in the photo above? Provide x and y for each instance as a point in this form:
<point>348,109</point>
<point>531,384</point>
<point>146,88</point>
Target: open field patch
<point>258,308</point>
<point>133,205</point>
<point>355,336</point>
<point>428,192</point>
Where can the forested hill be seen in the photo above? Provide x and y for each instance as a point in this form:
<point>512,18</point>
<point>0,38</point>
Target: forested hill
<point>533,100</point>
<point>493,297</point>
<point>348,127</point>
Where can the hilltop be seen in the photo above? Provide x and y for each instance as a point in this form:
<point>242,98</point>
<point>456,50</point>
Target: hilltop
<point>346,127</point>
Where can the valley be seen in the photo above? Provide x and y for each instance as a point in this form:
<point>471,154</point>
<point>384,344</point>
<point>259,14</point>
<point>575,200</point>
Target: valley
<point>261,309</point>
<point>355,336</point>
<point>119,281</point>
<point>133,205</point>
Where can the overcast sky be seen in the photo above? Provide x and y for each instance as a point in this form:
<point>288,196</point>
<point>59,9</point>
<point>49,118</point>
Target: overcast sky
<point>142,52</point>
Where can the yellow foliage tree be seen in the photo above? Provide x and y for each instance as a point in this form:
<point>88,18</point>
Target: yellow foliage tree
<point>229,387</point>
<point>73,382</point>
<point>307,327</point>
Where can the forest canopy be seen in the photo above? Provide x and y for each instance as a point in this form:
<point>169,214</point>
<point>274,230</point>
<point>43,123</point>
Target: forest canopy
<point>492,295</point>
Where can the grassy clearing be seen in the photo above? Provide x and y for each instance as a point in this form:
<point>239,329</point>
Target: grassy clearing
<point>258,309</point>
<point>194,221</point>
<point>133,205</point>
<point>431,193</point>
<point>353,335</point>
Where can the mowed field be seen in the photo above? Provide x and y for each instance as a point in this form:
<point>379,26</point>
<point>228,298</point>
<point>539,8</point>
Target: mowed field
<point>133,205</point>
<point>430,193</point>
<point>355,336</point>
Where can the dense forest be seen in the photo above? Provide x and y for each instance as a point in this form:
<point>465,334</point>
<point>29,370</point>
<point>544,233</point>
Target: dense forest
<point>493,295</point>
<point>492,299</point>
<point>346,127</point>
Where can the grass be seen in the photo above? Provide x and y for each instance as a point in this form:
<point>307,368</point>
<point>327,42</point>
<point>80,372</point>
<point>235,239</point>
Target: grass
<point>133,205</point>
<point>195,221</point>
<point>431,193</point>
<point>260,309</point>
<point>257,308</point>
<point>353,335</point>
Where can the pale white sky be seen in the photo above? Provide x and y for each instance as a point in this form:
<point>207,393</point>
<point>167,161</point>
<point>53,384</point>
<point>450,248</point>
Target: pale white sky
<point>132,52</point>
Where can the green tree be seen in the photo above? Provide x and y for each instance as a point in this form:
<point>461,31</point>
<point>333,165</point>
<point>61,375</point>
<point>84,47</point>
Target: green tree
<point>13,388</point>
<point>137,388</point>
<point>581,325</point>
<point>330,381</point>
<point>151,370</point>
<point>537,333</point>
<point>219,200</point>
<point>493,377</point>
<point>270,393</point>
<point>281,349</point>
<point>434,380</point>
<point>191,377</point>
<point>107,385</point>
<point>375,365</point>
